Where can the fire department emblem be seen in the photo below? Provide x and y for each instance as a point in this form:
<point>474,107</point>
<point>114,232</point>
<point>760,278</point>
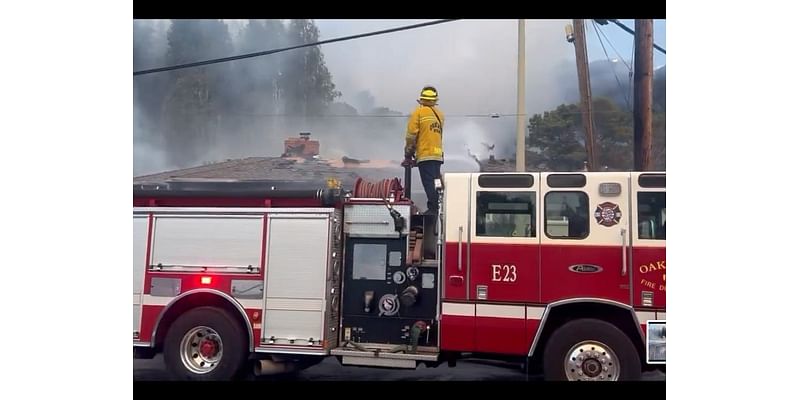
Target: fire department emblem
<point>607,214</point>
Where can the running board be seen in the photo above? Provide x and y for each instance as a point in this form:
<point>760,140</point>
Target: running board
<point>382,358</point>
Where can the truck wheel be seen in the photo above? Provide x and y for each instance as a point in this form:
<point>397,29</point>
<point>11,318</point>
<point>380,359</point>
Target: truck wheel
<point>590,350</point>
<point>206,343</point>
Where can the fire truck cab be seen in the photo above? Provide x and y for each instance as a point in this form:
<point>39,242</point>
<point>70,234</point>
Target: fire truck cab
<point>561,271</point>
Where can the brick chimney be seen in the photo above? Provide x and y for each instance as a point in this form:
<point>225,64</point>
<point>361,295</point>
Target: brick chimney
<point>301,146</point>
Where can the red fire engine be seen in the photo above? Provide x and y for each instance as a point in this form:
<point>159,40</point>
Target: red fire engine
<point>561,271</point>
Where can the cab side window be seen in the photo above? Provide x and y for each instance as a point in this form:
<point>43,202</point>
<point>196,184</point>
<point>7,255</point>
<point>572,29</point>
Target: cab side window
<point>652,218</point>
<point>567,215</point>
<point>506,214</point>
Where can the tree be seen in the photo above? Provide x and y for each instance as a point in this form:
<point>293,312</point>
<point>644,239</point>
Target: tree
<point>148,90</point>
<point>233,103</point>
<point>257,78</point>
<point>660,141</point>
<point>660,90</point>
<point>557,138</point>
<point>614,135</point>
<point>195,104</point>
<point>305,84</point>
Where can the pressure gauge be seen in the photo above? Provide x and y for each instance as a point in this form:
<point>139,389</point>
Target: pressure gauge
<point>412,273</point>
<point>388,305</point>
<point>399,277</point>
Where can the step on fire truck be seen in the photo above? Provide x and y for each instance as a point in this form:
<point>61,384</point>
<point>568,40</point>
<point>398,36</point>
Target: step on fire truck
<point>560,271</point>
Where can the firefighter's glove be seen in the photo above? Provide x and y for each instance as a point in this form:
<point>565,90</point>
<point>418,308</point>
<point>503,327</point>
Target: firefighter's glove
<point>409,159</point>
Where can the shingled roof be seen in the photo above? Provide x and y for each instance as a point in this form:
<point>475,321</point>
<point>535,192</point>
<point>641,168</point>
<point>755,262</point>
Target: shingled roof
<point>495,165</point>
<point>300,165</point>
<point>283,171</point>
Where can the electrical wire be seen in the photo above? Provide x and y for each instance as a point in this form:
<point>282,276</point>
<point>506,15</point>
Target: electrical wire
<point>274,51</point>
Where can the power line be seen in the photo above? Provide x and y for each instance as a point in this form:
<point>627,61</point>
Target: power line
<point>613,70</point>
<point>449,116</point>
<point>273,51</point>
<point>629,30</point>
<point>633,55</point>
<point>630,67</point>
<point>285,115</point>
<point>621,58</point>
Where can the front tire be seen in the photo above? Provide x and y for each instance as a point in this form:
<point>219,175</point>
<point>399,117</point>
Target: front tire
<point>206,343</point>
<point>591,350</point>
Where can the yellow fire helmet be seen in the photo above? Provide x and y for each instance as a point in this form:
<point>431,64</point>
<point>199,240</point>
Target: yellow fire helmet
<point>429,93</point>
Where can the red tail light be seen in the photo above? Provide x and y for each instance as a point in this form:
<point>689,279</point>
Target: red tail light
<point>205,280</point>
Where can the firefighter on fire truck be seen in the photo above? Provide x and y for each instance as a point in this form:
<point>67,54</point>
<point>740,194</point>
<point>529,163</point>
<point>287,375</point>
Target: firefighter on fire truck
<point>424,143</point>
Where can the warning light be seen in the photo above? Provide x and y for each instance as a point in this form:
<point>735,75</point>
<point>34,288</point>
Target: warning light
<point>205,280</point>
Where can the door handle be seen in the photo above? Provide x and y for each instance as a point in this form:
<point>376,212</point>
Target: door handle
<point>624,251</point>
<point>460,241</point>
<point>456,280</point>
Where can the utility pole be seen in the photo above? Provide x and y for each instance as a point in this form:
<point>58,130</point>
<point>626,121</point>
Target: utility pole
<point>585,88</point>
<point>521,96</point>
<point>643,95</point>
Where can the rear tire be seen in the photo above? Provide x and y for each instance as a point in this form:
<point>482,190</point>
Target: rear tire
<point>591,349</point>
<point>205,344</point>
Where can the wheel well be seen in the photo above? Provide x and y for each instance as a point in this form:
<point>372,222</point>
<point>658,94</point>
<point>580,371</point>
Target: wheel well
<point>193,301</point>
<point>559,315</point>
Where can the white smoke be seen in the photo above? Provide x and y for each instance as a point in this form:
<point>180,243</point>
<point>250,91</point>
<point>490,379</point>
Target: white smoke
<point>473,63</point>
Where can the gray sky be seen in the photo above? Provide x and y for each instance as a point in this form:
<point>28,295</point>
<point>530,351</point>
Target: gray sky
<point>473,63</point>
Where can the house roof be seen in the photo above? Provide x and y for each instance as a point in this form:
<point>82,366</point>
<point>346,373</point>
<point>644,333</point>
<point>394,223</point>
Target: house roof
<point>494,165</point>
<point>281,172</point>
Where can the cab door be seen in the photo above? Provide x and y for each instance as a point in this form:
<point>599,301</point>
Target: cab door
<point>457,313</point>
<point>649,253</point>
<point>585,241</point>
<point>503,259</point>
